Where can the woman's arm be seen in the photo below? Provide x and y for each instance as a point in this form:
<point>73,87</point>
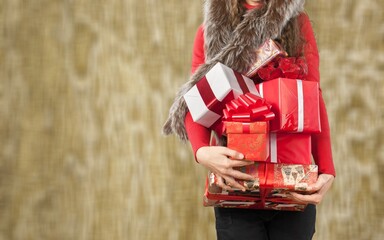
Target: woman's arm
<point>321,142</point>
<point>198,135</point>
<point>215,158</point>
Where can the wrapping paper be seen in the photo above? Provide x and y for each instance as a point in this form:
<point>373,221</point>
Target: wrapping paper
<point>206,100</point>
<point>252,203</point>
<point>290,148</point>
<point>250,139</point>
<point>269,189</point>
<point>295,104</point>
<point>266,53</point>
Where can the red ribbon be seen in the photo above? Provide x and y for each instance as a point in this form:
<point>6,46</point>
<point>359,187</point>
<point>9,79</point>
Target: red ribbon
<point>240,80</point>
<point>212,103</point>
<point>208,96</point>
<point>246,128</point>
<point>248,108</point>
<point>284,67</point>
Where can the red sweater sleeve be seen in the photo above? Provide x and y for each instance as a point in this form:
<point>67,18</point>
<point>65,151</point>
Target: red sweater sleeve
<point>198,135</point>
<point>198,54</point>
<point>321,142</point>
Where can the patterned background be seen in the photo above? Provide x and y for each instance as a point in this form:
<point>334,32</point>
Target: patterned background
<point>86,85</point>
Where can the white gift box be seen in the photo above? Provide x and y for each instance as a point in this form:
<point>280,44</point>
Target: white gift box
<point>207,98</point>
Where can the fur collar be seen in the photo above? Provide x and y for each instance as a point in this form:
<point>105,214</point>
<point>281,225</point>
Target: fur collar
<point>232,40</point>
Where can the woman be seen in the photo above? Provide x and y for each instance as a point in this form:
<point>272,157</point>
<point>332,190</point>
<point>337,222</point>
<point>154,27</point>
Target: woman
<point>231,32</point>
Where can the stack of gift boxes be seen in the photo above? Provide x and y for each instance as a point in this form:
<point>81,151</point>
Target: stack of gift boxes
<point>269,120</point>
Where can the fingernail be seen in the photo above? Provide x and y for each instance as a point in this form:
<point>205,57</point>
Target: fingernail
<point>241,156</point>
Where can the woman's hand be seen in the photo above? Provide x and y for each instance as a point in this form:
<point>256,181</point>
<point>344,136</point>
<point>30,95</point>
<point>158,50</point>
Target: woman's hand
<point>317,190</point>
<point>216,159</point>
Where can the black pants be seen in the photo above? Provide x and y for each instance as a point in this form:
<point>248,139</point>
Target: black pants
<point>247,224</point>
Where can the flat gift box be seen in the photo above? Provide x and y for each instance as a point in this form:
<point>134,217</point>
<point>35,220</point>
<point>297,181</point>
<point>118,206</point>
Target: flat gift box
<point>255,204</point>
<point>250,139</point>
<point>295,104</point>
<point>269,189</point>
<point>266,53</point>
<point>206,99</point>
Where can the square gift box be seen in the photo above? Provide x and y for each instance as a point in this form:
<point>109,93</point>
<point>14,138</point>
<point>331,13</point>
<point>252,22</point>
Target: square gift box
<point>249,138</point>
<point>206,99</point>
<point>295,104</point>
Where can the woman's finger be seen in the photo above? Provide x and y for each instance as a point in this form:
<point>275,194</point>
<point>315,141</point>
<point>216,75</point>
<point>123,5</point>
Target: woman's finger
<point>240,175</point>
<point>221,183</point>
<point>231,153</point>
<point>324,180</point>
<point>240,163</point>
<point>233,184</point>
<point>311,199</point>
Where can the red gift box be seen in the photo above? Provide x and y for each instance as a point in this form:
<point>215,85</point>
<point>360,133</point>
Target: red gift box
<point>207,98</point>
<point>295,104</point>
<point>266,53</point>
<point>250,139</point>
<point>245,133</point>
<point>253,203</point>
<point>269,189</point>
<point>291,148</point>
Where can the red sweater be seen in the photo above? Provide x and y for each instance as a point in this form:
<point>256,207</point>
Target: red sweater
<point>199,136</point>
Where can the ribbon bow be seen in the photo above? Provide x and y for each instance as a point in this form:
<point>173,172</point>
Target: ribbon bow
<point>284,67</point>
<point>248,108</point>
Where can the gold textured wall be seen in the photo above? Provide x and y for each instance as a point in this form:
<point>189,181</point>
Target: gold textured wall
<point>85,86</point>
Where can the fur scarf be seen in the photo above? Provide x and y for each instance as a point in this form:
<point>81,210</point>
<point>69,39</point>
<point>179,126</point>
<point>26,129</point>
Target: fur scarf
<point>232,40</point>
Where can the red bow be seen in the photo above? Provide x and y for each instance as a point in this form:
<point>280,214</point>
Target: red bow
<point>284,67</point>
<point>248,108</point>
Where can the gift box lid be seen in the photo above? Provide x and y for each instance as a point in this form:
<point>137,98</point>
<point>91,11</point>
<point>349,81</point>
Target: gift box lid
<point>246,127</point>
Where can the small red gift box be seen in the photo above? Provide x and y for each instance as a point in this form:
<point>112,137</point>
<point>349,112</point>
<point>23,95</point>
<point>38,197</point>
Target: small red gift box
<point>267,191</point>
<point>266,53</point>
<point>295,104</point>
<point>250,139</point>
<point>207,98</point>
<point>247,126</point>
